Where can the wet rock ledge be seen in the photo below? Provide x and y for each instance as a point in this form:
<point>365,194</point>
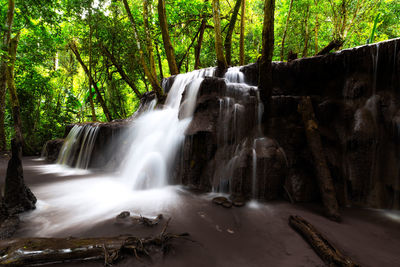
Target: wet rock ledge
<point>355,95</point>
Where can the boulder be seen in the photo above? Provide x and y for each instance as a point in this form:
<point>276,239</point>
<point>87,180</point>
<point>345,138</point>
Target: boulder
<point>52,149</point>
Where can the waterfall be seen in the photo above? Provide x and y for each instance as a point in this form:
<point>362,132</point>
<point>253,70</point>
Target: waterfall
<point>78,146</point>
<point>254,173</point>
<point>88,140</point>
<point>234,75</point>
<point>240,104</point>
<point>156,135</point>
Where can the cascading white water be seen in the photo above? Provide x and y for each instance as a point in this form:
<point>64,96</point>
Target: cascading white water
<point>232,146</point>
<point>89,138</point>
<point>154,139</point>
<point>69,146</point>
<point>156,135</point>
<point>80,138</point>
<point>234,75</point>
<point>254,173</point>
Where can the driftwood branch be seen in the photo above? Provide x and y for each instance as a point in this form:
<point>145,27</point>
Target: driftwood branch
<point>323,173</point>
<point>325,249</point>
<point>41,251</point>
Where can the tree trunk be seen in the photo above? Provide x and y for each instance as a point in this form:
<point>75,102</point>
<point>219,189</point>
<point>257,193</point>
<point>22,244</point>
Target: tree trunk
<point>153,80</point>
<point>265,62</point>
<point>149,41</point>
<point>325,249</point>
<point>3,67</point>
<point>188,49</point>
<point>2,105</point>
<point>242,25</point>
<point>323,174</point>
<point>169,49</point>
<point>221,62</point>
<point>231,27</point>
<point>90,63</point>
<point>12,54</point>
<point>120,70</point>
<point>316,29</point>
<point>285,31</point>
<point>159,62</point>
<point>306,35</point>
<point>74,49</point>
<point>197,49</point>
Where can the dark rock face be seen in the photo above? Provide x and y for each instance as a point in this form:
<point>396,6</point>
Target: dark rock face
<point>17,196</point>
<point>51,149</point>
<point>355,96</point>
<point>224,149</point>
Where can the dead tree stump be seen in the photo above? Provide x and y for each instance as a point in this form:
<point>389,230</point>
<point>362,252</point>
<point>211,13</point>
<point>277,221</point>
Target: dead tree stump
<point>17,196</point>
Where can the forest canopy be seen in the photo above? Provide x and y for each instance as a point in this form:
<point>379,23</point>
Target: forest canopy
<point>92,60</point>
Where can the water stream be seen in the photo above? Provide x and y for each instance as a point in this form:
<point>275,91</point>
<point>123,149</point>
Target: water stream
<point>80,141</point>
<point>154,137</point>
<point>157,135</point>
<point>241,102</point>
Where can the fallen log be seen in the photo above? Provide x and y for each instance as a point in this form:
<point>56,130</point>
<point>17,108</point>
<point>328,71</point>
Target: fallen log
<point>335,44</point>
<point>325,249</point>
<point>323,174</point>
<point>41,251</point>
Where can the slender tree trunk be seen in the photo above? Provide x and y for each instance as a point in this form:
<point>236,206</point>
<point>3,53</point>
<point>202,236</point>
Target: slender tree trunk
<point>169,49</point>
<point>222,65</point>
<point>242,25</point>
<point>197,49</point>
<point>306,34</point>
<point>316,35</point>
<point>186,56</point>
<point>231,27</point>
<point>153,80</point>
<point>120,70</point>
<point>12,54</point>
<point>2,105</point>
<point>159,62</point>
<point>90,63</point>
<point>3,67</point>
<point>74,49</point>
<point>344,19</point>
<point>285,31</point>
<point>316,29</point>
<point>149,41</point>
<point>265,63</point>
